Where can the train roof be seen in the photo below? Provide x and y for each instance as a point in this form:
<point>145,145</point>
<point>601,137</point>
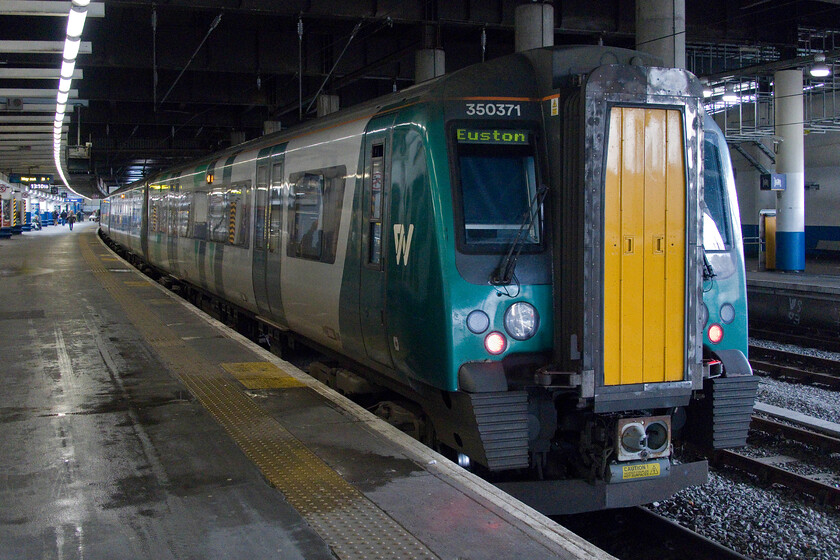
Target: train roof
<point>526,73</point>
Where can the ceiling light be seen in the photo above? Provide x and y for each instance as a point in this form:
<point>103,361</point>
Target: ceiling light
<point>76,21</point>
<point>71,48</point>
<point>67,68</point>
<point>63,96</point>
<point>820,69</point>
<point>729,94</point>
<point>64,84</point>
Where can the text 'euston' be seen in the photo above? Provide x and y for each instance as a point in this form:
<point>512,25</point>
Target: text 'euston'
<point>485,136</point>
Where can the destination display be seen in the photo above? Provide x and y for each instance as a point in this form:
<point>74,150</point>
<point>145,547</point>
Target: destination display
<point>492,136</point>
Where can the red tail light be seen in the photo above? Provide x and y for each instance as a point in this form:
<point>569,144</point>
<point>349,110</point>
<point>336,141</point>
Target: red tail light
<point>495,343</point>
<point>715,333</point>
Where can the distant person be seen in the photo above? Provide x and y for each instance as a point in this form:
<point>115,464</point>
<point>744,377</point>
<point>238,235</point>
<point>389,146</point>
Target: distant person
<point>55,216</point>
<point>71,219</point>
<point>63,217</point>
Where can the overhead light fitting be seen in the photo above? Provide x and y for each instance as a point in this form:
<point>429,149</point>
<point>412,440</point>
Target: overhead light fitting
<point>820,69</point>
<point>729,94</point>
<point>75,26</point>
<point>76,21</point>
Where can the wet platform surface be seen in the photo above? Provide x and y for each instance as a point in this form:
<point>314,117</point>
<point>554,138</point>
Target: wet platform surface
<point>133,426</point>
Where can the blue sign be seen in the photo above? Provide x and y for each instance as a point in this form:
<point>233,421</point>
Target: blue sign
<point>773,182</point>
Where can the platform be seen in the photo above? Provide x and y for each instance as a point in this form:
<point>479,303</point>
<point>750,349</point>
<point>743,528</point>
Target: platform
<point>135,426</point>
<point>793,300</point>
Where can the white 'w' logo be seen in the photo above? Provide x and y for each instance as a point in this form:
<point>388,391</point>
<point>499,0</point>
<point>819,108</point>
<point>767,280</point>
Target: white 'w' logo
<point>403,241</point>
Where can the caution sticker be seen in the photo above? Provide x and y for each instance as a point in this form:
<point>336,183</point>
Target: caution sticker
<point>640,471</point>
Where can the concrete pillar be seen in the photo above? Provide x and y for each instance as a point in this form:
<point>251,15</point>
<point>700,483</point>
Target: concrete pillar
<point>660,30</point>
<point>327,104</point>
<point>534,26</point>
<point>790,160</point>
<point>428,64</point>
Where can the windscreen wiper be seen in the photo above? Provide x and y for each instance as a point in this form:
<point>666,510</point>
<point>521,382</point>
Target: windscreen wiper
<point>503,275</point>
<point>708,270</point>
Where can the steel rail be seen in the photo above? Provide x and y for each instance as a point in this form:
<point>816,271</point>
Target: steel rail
<point>824,493</point>
<point>795,433</point>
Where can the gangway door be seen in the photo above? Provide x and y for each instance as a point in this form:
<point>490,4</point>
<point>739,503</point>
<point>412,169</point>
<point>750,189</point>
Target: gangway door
<point>645,247</point>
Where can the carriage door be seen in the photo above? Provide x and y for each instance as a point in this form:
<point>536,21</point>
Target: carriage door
<point>268,227</point>
<point>374,232</point>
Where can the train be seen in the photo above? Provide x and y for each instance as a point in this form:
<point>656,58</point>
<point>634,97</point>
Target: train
<point>515,262</point>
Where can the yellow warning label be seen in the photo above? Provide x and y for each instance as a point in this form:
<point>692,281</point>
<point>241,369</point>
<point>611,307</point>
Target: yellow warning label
<point>640,471</point>
<point>261,375</point>
<point>555,106</point>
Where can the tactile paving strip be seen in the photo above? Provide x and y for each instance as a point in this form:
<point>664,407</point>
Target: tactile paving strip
<point>261,375</point>
<point>349,523</point>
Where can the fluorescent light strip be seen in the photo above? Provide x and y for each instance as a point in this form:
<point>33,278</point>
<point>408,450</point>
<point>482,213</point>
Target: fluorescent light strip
<point>75,26</point>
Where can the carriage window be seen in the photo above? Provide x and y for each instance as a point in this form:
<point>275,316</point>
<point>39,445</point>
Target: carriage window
<point>275,208</point>
<point>172,202</point>
<point>157,209</point>
<point>239,206</point>
<point>377,163</point>
<point>198,215</point>
<point>184,213</point>
<point>262,209</point>
<point>217,222</point>
<point>315,206</point>
<point>498,186</point>
<point>716,230</point>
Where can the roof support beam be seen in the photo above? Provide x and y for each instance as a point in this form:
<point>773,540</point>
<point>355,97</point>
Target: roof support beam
<point>31,119</point>
<point>46,8</point>
<point>40,47</point>
<point>42,128</point>
<point>36,74</point>
<point>29,93</point>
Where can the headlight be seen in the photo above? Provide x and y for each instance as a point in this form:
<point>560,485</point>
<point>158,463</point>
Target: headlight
<point>727,313</point>
<point>521,320</point>
<point>478,321</point>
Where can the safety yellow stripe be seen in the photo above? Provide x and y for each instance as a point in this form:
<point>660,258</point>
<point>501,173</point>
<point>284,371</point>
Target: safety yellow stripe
<point>351,525</point>
<point>261,375</point>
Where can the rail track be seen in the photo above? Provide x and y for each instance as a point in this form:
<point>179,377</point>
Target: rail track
<point>799,367</point>
<point>788,471</point>
<point>639,534</point>
<point>808,338</point>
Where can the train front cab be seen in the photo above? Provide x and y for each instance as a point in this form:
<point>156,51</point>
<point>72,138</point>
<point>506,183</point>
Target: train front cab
<point>622,154</point>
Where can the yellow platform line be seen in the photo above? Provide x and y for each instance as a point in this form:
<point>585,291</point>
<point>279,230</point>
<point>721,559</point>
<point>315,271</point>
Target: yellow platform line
<point>261,375</point>
<point>351,525</point>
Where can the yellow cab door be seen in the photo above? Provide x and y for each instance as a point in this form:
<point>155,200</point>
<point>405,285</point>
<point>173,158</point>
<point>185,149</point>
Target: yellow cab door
<point>644,247</point>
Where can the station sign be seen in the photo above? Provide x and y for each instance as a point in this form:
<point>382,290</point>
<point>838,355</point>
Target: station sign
<point>773,182</point>
<point>30,180</point>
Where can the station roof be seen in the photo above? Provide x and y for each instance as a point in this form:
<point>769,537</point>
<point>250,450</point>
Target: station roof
<point>157,83</point>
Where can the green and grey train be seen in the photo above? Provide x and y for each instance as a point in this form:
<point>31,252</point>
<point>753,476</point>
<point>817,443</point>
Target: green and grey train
<point>513,250</point>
